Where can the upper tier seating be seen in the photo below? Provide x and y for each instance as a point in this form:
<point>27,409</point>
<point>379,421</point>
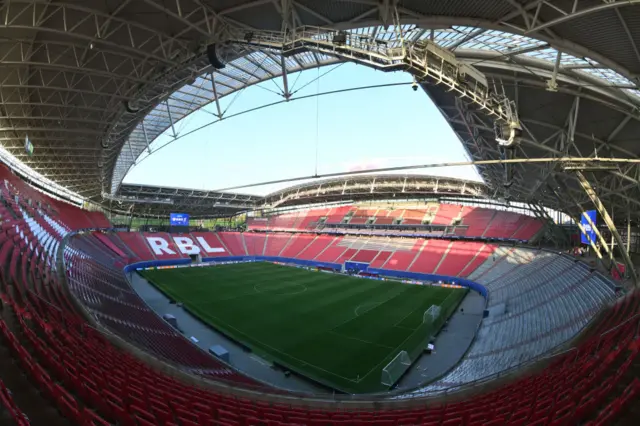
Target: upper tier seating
<point>474,221</point>
<point>445,214</point>
<point>92,382</point>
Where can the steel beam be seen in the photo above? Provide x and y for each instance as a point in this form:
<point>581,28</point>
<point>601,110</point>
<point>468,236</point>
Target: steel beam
<point>215,95</point>
<point>146,139</point>
<point>588,189</point>
<point>583,213</point>
<point>173,129</point>
<point>556,233</point>
<point>628,230</point>
<point>285,80</point>
<point>580,13</point>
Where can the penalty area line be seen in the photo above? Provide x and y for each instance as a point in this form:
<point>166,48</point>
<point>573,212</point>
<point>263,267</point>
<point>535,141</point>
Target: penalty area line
<point>360,340</point>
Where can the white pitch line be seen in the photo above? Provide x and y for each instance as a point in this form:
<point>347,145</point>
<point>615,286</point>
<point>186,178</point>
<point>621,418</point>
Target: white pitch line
<point>372,304</point>
<point>360,340</point>
<point>256,288</point>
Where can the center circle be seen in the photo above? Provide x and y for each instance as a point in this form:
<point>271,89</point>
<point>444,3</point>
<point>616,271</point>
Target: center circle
<point>283,289</point>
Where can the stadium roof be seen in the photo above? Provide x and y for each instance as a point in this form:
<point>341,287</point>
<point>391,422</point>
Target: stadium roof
<point>92,84</point>
<point>149,200</point>
<point>155,201</point>
<point>374,187</point>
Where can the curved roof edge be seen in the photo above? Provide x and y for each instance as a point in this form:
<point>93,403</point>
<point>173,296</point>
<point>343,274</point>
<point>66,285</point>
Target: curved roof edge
<point>150,200</point>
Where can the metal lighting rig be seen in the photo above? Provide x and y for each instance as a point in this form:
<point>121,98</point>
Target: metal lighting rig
<point>424,59</point>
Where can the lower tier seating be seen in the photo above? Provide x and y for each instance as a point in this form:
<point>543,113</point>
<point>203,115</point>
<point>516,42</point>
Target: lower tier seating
<point>9,411</point>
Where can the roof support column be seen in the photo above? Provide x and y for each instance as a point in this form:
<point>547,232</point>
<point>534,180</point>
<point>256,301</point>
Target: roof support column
<point>552,84</point>
<point>215,95</point>
<point>146,138</point>
<point>588,189</point>
<point>173,129</point>
<point>285,80</point>
<point>288,33</point>
<point>133,158</point>
<point>628,231</point>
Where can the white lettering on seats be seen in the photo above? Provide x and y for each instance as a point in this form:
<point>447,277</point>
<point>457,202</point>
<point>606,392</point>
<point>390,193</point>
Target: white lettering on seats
<point>186,245</point>
<point>159,245</point>
<point>207,247</point>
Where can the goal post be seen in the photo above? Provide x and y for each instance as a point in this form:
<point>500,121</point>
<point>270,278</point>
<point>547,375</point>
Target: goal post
<point>392,372</point>
<point>431,315</point>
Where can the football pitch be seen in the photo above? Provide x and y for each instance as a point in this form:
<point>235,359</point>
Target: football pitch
<point>338,330</point>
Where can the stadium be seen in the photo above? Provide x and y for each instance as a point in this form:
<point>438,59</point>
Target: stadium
<point>277,292</point>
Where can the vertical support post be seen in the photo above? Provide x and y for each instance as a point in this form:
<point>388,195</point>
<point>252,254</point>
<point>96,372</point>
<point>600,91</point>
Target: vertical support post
<point>215,95</point>
<point>286,13</point>
<point>628,231</point>
<point>285,80</point>
<point>173,129</point>
<point>609,222</point>
<point>146,138</point>
<point>552,84</point>
<point>131,150</point>
<point>612,239</point>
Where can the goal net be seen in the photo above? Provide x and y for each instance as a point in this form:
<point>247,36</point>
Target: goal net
<point>392,372</point>
<point>431,315</point>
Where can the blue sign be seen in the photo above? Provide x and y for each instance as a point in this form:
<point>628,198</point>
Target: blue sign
<point>179,219</point>
<point>589,233</point>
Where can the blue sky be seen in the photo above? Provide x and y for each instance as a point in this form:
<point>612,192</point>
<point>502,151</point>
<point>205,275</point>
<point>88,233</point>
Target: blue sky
<point>355,130</point>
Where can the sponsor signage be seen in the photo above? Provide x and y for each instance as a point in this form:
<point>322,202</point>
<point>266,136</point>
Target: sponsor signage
<point>184,244</point>
<point>179,219</point>
<point>589,234</point>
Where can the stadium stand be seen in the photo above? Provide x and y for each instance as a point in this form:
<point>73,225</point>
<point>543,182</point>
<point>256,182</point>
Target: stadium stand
<point>316,247</point>
<point>171,251</point>
<point>234,243</point>
<point>429,256</point>
<point>477,219</point>
<point>332,252</point>
<point>10,411</point>
<point>445,214</point>
<point>137,244</point>
<point>310,218</point>
<point>254,243</point>
<point>473,221</point>
<point>549,299</point>
<point>296,245</point>
<point>275,244</point>
<point>211,244</point>
<point>93,382</point>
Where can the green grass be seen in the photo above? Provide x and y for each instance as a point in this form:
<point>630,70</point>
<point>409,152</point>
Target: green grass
<point>338,330</point>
